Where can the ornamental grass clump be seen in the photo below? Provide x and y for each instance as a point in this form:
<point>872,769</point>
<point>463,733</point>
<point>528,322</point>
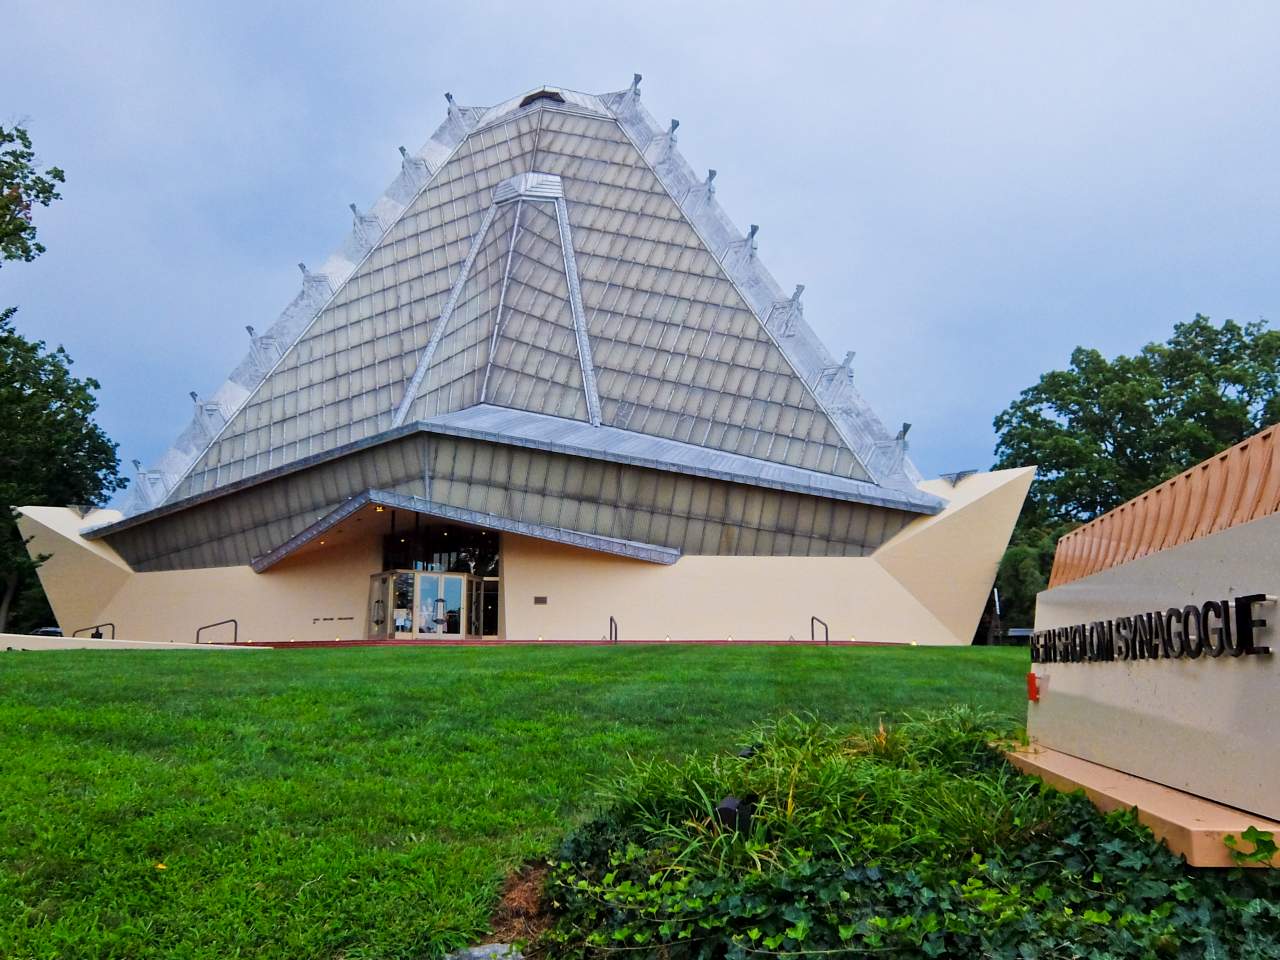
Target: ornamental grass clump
<point>904,840</point>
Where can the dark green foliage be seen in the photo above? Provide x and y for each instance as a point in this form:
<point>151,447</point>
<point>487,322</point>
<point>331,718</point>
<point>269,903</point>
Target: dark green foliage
<point>51,453</point>
<point>364,803</point>
<point>915,840</point>
<point>1104,431</point>
<point>22,189</point>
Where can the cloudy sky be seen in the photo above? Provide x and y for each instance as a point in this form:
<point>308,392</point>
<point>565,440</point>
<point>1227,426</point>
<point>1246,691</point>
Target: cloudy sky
<point>967,190</point>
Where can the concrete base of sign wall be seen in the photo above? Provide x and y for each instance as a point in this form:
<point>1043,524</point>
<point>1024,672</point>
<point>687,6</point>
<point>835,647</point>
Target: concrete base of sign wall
<point>1188,825</point>
<point>1205,725</point>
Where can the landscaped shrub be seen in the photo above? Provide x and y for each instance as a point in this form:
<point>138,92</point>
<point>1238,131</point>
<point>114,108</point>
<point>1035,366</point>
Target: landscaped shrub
<point>912,840</point>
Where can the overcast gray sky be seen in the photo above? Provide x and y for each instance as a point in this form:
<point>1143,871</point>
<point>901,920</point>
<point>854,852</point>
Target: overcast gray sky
<point>967,190</point>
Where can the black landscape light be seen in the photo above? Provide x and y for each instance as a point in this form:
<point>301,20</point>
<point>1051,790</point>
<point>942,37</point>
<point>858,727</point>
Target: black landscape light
<point>735,814</point>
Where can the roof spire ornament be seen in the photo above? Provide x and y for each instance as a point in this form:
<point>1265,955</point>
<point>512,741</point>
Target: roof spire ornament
<point>635,85</point>
<point>249,327</point>
<point>751,238</point>
<point>787,311</point>
<point>671,132</point>
<point>303,267</point>
<point>709,183</point>
<point>404,154</point>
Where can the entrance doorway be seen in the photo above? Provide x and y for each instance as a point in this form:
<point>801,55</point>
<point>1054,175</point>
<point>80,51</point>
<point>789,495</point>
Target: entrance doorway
<point>423,605</point>
<point>439,581</point>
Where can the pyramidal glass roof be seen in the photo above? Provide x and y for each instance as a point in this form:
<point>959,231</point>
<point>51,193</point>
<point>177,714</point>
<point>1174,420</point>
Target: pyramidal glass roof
<point>555,255</point>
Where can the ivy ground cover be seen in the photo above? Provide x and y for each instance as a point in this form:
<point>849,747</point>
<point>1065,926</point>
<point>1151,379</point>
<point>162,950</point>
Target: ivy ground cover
<point>364,803</point>
<point>897,842</point>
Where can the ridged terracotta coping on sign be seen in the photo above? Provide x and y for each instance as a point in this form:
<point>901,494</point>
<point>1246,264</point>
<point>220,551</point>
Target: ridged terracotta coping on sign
<point>1237,485</point>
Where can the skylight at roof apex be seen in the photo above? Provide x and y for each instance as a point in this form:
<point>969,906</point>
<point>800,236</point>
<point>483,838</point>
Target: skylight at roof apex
<point>546,93</point>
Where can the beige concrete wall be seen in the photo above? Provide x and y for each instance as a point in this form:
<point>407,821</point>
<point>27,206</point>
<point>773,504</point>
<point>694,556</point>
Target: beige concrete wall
<point>704,598</point>
<point>948,561</point>
<point>927,585</point>
<point>1207,726</point>
<point>88,584</point>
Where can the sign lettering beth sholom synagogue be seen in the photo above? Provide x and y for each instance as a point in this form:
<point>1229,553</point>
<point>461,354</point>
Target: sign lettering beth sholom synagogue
<point>1159,626</point>
<point>1215,628</point>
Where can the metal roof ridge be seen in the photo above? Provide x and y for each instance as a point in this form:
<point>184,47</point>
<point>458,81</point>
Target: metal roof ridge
<point>883,455</point>
<point>618,546</point>
<point>699,461</point>
<point>769,474</point>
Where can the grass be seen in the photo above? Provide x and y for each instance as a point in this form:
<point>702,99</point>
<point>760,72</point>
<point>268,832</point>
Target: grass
<point>366,803</point>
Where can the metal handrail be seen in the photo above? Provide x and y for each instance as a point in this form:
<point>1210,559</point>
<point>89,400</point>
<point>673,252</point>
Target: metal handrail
<point>813,631</point>
<point>97,628</point>
<point>613,630</point>
<point>235,633</point>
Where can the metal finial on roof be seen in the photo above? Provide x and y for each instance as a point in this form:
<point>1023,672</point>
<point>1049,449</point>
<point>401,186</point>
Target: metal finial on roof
<point>404,154</point>
<point>902,434</point>
<point>249,327</point>
<point>795,297</point>
<point>635,84</point>
<point>303,267</point>
<point>449,96</point>
<point>137,465</point>
<point>710,181</point>
<point>751,237</point>
<point>195,397</point>
<point>671,133</point>
<point>355,211</point>
<point>847,362</point>
<point>955,478</point>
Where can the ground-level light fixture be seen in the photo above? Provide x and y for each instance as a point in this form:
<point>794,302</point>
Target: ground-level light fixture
<point>735,814</point>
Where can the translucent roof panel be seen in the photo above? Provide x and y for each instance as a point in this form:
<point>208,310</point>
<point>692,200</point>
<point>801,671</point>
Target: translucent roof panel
<point>341,380</point>
<point>531,360</point>
<point>670,346</point>
<point>677,351</point>
<point>452,381</point>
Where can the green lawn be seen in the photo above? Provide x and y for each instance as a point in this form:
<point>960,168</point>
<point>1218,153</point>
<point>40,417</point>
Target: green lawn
<point>364,802</point>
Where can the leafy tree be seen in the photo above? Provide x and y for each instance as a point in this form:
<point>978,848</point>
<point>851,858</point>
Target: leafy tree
<point>1103,431</point>
<point>51,451</point>
<point>22,187</point>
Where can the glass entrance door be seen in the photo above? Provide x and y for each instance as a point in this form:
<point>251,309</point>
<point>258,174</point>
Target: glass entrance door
<point>441,605</point>
<point>405,604</point>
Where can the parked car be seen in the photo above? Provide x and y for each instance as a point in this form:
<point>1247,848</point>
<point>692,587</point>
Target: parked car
<point>48,632</point>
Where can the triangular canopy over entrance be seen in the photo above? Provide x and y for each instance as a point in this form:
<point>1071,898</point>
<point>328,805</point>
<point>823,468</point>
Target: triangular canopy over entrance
<point>554,255</point>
